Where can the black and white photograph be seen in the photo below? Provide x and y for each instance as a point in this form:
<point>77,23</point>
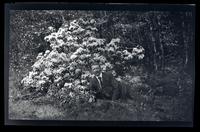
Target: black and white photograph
<point>101,65</point>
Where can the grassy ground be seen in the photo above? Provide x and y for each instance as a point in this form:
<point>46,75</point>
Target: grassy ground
<point>150,103</point>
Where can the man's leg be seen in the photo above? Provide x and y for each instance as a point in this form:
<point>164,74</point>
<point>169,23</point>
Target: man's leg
<point>116,94</point>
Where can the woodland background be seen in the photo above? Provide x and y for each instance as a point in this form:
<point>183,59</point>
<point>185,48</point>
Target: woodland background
<point>163,79</point>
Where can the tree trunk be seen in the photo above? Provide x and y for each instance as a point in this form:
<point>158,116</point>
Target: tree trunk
<point>185,41</point>
<point>154,50</point>
<point>153,39</point>
<point>162,59</point>
<point>139,36</point>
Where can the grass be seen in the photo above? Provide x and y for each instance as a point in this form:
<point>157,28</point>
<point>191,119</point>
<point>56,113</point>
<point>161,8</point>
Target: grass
<point>27,110</point>
<point>145,106</point>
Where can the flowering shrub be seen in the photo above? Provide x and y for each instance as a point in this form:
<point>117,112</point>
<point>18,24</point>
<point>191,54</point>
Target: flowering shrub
<point>65,69</point>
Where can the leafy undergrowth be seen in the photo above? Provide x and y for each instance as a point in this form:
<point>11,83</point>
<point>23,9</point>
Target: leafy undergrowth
<point>151,101</point>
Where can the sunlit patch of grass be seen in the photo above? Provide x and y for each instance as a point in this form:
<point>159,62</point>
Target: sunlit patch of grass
<point>48,112</point>
<point>27,110</point>
<point>21,110</point>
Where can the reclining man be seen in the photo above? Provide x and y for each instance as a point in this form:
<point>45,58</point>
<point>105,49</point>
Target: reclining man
<point>105,86</point>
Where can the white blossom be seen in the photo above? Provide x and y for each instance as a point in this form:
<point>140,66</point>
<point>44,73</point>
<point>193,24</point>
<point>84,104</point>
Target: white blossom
<point>47,71</point>
<point>68,85</point>
<point>141,56</point>
<point>71,94</point>
<point>91,100</point>
<point>47,52</point>
<point>60,70</point>
<point>77,71</point>
<point>78,30</point>
<point>73,56</point>
<point>111,49</point>
<point>51,29</point>
<point>41,82</point>
<point>57,79</point>
<point>92,21</point>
